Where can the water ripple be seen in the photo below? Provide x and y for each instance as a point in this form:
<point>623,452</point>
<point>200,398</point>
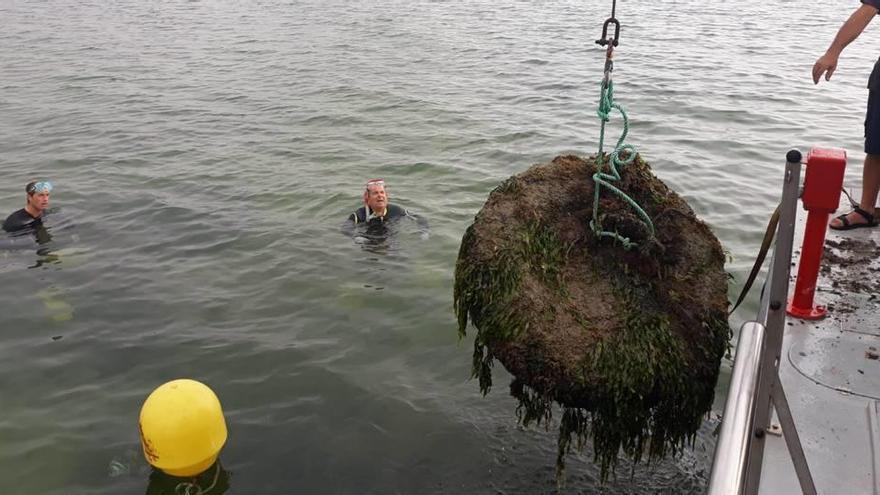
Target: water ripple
<point>206,153</point>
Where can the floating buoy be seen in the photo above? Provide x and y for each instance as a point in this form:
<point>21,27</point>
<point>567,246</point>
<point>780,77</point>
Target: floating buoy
<point>624,331</point>
<point>182,428</point>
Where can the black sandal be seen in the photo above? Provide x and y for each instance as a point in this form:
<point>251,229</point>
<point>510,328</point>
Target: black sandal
<point>870,221</point>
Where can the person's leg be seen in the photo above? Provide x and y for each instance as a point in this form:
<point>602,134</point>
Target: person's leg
<point>871,170</point>
<point>870,188</point>
<point>870,183</point>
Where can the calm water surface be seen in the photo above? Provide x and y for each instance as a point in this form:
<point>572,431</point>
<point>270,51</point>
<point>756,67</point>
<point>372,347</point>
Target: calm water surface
<point>205,153</point>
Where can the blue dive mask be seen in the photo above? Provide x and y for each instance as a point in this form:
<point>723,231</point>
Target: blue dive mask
<point>40,187</point>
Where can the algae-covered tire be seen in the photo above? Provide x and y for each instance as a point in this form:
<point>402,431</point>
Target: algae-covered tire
<point>628,341</point>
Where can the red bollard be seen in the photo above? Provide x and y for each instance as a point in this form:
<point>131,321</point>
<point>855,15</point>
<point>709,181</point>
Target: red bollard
<point>822,185</point>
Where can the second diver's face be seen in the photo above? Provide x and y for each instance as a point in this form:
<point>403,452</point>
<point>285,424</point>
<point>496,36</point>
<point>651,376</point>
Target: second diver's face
<point>376,198</point>
<point>39,201</point>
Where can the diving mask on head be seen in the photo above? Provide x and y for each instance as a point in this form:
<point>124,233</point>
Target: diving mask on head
<point>40,187</point>
<point>375,183</point>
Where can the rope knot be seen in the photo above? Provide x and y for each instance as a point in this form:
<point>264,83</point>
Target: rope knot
<point>602,179</point>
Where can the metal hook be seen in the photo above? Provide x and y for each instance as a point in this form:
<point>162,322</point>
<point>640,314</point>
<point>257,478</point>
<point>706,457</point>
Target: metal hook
<point>611,20</point>
<point>605,39</point>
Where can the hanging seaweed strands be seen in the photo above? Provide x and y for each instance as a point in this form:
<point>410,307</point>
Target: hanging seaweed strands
<point>628,342</point>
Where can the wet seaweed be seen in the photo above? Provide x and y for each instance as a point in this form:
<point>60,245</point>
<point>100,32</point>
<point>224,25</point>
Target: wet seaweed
<point>483,291</point>
<point>646,377</point>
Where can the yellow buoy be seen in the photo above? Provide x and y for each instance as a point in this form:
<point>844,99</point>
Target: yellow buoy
<point>182,428</point>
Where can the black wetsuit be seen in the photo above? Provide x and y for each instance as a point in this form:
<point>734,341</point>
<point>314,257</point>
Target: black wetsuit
<point>375,224</point>
<point>365,215</point>
<point>21,220</point>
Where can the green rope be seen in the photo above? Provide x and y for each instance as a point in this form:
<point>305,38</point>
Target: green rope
<point>606,104</point>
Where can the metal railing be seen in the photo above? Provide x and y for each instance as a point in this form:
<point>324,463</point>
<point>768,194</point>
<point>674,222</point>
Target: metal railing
<point>755,386</point>
<point>728,473</point>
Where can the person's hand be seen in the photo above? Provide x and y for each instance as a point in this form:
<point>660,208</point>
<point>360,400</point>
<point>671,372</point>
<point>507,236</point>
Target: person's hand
<point>824,65</point>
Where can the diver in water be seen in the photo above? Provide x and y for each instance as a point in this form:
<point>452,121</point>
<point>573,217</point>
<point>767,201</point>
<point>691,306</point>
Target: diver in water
<point>29,220</point>
<point>31,216</point>
<point>377,213</point>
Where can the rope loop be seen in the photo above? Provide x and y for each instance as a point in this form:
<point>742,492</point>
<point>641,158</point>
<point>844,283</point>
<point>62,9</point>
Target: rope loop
<point>615,162</point>
<point>188,488</point>
<point>193,487</point>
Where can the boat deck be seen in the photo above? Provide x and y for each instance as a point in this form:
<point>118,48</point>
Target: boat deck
<point>830,372</point>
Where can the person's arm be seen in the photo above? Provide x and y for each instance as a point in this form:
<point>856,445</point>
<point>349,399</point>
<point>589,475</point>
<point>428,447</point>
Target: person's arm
<point>851,29</point>
<point>348,226</point>
<point>422,222</point>
<point>9,223</point>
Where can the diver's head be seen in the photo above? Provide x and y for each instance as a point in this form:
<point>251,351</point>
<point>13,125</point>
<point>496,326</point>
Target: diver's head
<point>37,197</point>
<point>375,196</point>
